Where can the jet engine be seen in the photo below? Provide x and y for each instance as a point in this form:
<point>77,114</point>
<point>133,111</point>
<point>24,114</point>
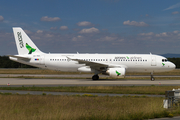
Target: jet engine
<point>116,72</point>
<point>85,69</point>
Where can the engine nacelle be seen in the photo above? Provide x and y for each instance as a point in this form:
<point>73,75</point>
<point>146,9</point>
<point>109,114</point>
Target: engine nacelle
<point>116,72</point>
<point>85,69</point>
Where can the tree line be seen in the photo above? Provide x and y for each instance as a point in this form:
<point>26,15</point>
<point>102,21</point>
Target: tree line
<point>5,62</point>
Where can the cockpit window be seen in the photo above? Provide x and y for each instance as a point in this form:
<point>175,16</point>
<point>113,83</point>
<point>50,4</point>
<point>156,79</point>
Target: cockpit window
<point>164,60</point>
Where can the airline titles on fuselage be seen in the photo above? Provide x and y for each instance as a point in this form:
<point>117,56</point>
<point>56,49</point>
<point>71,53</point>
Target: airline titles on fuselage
<point>127,58</point>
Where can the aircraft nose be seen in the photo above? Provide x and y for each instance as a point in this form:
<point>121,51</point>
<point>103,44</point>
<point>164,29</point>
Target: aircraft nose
<point>172,65</point>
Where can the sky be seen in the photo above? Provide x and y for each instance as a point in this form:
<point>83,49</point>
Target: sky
<point>93,26</point>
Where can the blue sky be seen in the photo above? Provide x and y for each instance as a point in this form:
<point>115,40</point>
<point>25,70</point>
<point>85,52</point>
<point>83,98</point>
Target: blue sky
<point>93,26</point>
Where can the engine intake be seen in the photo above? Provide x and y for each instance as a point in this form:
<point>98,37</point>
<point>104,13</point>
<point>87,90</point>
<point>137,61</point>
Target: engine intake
<point>116,72</point>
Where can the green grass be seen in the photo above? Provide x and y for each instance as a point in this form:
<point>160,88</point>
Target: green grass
<point>50,72</point>
<point>45,107</point>
<point>153,90</point>
<point>34,71</point>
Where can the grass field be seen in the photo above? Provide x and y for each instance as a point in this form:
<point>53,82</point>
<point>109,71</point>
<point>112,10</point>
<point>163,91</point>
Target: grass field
<point>33,107</point>
<point>45,107</point>
<point>152,90</point>
<point>45,71</point>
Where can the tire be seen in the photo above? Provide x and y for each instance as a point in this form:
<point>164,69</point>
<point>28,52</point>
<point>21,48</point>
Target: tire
<point>152,78</point>
<point>95,77</point>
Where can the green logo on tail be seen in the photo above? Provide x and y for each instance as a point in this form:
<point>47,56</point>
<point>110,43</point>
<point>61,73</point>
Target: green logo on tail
<point>30,49</point>
<point>118,74</point>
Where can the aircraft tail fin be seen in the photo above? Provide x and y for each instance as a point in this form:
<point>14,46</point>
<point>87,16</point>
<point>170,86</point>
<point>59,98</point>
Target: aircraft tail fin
<point>24,43</point>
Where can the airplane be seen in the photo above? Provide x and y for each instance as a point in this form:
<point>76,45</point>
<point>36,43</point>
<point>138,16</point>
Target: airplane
<point>114,65</point>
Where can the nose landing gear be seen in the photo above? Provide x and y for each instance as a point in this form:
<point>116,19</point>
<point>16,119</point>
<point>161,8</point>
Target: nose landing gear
<point>152,78</point>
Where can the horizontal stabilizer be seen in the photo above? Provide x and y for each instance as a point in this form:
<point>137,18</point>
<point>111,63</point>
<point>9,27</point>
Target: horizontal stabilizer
<point>20,57</point>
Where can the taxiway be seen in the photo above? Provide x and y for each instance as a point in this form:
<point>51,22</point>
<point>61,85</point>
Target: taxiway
<point>84,82</point>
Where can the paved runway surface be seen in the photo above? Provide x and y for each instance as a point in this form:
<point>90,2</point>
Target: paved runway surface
<point>84,82</point>
<point>174,118</point>
<point>76,75</point>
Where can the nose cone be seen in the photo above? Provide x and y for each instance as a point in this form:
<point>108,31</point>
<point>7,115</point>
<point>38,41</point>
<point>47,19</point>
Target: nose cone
<point>172,65</point>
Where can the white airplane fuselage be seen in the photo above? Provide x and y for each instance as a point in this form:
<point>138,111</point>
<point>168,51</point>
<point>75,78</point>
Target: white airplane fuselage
<point>132,62</point>
<point>114,65</point>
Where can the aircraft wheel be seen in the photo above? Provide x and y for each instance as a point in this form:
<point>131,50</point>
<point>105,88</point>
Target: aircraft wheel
<point>152,78</point>
<point>95,77</point>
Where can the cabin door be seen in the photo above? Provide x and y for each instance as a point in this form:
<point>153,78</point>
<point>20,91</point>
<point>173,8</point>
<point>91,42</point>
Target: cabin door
<point>153,60</point>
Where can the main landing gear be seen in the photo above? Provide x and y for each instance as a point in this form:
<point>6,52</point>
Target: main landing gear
<point>152,78</point>
<point>95,77</point>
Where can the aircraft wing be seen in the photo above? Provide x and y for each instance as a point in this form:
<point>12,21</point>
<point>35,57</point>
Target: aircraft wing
<point>97,65</point>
